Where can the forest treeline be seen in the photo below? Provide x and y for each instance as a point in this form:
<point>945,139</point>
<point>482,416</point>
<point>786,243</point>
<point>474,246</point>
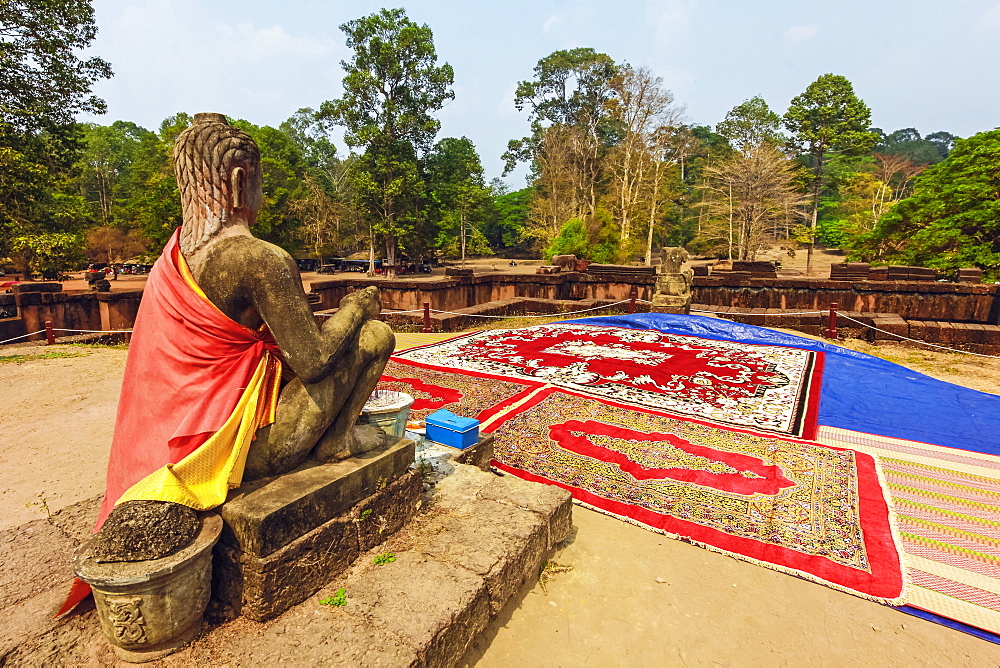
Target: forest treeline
<point>616,170</point>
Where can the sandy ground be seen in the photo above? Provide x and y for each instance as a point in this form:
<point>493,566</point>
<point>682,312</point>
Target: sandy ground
<point>630,597</point>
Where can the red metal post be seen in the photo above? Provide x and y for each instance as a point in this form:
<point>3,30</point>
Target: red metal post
<point>50,337</point>
<point>427,318</point>
<point>631,301</point>
<point>831,330</point>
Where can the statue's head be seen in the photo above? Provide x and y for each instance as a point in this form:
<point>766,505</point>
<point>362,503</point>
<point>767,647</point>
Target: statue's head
<point>671,259</point>
<point>219,178</point>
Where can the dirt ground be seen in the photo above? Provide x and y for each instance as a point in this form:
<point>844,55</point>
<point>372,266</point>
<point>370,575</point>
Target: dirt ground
<point>626,596</point>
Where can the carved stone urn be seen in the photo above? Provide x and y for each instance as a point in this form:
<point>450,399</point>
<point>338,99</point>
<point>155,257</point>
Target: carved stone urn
<point>149,609</point>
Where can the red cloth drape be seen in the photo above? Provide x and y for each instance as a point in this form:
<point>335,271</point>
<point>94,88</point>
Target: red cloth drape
<point>188,364</point>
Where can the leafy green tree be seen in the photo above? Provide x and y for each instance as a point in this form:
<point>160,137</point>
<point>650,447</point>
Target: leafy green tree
<point>906,143</point>
<point>392,87</point>
<point>571,240</point>
<point>42,80</point>
<point>460,196</point>
<point>505,231</point>
<point>827,119</point>
<point>952,220</point>
<point>43,85</point>
<point>943,141</point>
<point>49,253</point>
<point>751,123</point>
<point>570,131</point>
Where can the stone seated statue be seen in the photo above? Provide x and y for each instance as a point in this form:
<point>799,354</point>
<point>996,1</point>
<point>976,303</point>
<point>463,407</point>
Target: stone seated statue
<point>672,293</point>
<point>228,376</point>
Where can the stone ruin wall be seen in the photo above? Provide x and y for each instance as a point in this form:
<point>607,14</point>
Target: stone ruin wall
<point>963,315</point>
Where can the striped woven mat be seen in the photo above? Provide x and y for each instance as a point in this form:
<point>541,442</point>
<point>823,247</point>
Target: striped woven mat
<point>947,504</point>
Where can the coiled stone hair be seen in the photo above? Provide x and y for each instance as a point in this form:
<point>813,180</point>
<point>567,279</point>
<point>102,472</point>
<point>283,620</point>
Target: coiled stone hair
<point>205,156</point>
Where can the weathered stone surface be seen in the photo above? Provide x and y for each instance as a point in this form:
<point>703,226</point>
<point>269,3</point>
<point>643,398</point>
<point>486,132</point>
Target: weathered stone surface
<point>388,510</point>
<point>265,587</point>
<point>264,515</point>
<point>553,503</point>
<point>505,550</point>
<point>149,609</point>
<point>479,455</point>
<point>262,587</point>
<point>435,606</point>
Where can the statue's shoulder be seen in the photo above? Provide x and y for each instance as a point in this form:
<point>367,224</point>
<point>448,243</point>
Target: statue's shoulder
<point>253,250</point>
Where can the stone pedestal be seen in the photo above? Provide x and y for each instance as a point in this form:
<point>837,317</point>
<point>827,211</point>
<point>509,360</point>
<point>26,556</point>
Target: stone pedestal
<point>284,538</point>
<point>672,294</point>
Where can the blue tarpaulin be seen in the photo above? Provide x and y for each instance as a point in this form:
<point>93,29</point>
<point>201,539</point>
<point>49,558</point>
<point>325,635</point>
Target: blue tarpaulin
<point>860,392</point>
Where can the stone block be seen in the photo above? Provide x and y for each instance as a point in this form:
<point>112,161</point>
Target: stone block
<point>479,455</point>
<point>387,511</point>
<point>554,504</point>
<point>262,588</point>
<point>435,606</point>
<point>889,322</point>
<point>501,543</point>
<point>265,515</point>
<point>31,286</point>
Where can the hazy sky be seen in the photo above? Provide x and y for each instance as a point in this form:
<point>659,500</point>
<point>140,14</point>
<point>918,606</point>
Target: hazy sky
<point>923,64</point>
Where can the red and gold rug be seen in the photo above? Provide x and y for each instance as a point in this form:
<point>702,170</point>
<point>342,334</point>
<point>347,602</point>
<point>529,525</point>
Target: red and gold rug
<point>800,507</point>
<point>765,388</point>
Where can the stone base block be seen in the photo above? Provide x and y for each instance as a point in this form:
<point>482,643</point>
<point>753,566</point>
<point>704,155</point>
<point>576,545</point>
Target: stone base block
<point>479,455</point>
<point>265,515</point>
<point>287,537</point>
<point>482,538</point>
<point>682,310</point>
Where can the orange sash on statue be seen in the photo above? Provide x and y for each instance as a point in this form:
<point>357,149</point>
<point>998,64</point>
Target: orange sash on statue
<point>197,386</point>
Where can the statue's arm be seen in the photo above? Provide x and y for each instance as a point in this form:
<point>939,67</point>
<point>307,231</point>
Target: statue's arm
<point>309,350</point>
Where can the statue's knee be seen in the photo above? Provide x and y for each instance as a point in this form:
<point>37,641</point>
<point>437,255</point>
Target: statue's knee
<point>377,339</point>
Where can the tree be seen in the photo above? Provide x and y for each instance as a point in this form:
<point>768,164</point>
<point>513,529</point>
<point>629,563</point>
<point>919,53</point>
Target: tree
<point>43,85</point>
<point>42,81</point>
<point>392,86</point>
<point>828,118</point>
<point>48,253</point>
<point>952,219</point>
<point>459,192</point>
<point>645,116</point>
<point>944,141</point>
<point>751,123</point>
<point>747,193</point>
<point>570,131</point>
<point>508,218</point>
<point>907,144</point>
<point>111,245</point>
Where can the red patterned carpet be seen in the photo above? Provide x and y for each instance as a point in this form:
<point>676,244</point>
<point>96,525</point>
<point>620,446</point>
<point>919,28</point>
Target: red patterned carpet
<point>692,437</point>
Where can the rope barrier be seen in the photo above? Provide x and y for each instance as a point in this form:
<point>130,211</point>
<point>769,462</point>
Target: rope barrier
<point>23,336</point>
<point>924,343</point>
<point>695,310</point>
<point>544,315</point>
<point>94,331</point>
<point>478,315</point>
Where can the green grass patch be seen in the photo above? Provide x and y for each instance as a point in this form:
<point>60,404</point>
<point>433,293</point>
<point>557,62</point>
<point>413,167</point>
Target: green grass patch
<point>54,355</point>
<point>384,558</point>
<point>338,599</point>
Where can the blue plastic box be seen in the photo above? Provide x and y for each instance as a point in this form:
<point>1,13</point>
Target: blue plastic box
<point>445,427</point>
